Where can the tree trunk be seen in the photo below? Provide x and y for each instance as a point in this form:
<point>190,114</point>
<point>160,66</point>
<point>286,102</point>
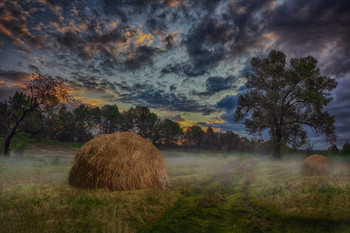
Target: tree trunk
<point>277,149</point>
<point>14,129</point>
<point>8,140</point>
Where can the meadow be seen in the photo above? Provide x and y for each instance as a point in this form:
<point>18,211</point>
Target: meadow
<point>209,192</point>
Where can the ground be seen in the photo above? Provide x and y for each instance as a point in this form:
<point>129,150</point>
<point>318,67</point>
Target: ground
<point>209,192</point>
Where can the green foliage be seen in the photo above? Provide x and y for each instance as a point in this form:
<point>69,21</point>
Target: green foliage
<point>346,149</point>
<point>167,132</point>
<point>34,125</point>
<point>110,118</point>
<point>43,92</point>
<point>19,143</point>
<point>283,99</point>
<point>127,121</point>
<point>333,149</point>
<point>229,141</point>
<point>211,140</point>
<point>82,124</point>
<point>209,193</point>
<point>4,118</point>
<point>194,135</point>
<point>144,121</point>
<point>65,125</point>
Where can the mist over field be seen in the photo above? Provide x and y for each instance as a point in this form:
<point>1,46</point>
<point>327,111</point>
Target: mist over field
<point>208,192</point>
<point>196,116</point>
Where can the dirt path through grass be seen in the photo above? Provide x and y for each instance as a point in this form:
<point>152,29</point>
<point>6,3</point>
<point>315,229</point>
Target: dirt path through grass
<point>221,204</point>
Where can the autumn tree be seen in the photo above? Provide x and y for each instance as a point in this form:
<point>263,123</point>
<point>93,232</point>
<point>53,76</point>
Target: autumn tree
<point>41,90</point>
<point>282,99</point>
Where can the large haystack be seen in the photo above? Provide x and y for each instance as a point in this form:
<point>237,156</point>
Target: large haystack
<point>316,165</point>
<point>118,161</point>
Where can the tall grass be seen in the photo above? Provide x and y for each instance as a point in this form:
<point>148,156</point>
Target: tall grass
<point>209,192</point>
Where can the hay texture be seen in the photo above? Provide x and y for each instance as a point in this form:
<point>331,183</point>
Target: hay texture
<point>316,165</point>
<point>118,161</point>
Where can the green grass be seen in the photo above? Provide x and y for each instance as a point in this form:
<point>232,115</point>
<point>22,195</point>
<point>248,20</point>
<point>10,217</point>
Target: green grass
<point>209,192</point>
<point>232,201</point>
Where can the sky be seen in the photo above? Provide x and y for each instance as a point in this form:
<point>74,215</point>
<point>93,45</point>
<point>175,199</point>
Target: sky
<point>185,59</point>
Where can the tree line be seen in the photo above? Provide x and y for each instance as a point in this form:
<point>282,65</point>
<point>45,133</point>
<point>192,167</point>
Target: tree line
<point>82,123</point>
<point>280,100</point>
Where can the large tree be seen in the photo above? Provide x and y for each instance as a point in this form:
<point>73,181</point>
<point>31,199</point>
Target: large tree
<point>283,98</point>
<point>195,136</point>
<point>145,121</point>
<point>110,118</point>
<point>168,132</point>
<point>41,90</point>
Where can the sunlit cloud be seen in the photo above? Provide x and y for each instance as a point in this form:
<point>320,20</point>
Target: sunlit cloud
<point>184,59</point>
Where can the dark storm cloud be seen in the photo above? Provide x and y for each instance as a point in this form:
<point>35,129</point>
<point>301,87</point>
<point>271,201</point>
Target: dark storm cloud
<point>216,84</point>
<point>118,7</point>
<point>299,26</point>
<point>159,15</point>
<point>79,36</point>
<point>92,83</point>
<point>137,57</point>
<point>221,37</point>
<point>183,69</point>
<point>340,107</point>
<point>11,75</point>
<point>300,22</point>
<point>338,66</point>
<point>205,46</point>
<point>160,99</point>
<point>34,68</point>
<point>14,27</point>
<point>176,118</point>
<point>115,35</point>
<point>172,87</point>
<point>228,103</point>
<point>70,39</point>
<point>314,25</point>
<point>6,91</point>
<point>170,40</point>
<point>157,23</point>
<point>140,57</point>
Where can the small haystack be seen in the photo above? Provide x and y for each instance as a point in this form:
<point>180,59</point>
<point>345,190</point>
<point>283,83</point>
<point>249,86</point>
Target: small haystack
<point>316,165</point>
<point>118,161</point>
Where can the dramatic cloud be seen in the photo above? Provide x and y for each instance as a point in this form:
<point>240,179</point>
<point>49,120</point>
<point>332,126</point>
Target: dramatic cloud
<point>171,55</point>
<point>340,107</point>
<point>160,99</point>
<point>14,76</point>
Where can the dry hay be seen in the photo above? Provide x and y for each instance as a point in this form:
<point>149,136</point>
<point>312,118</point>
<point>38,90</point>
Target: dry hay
<point>316,165</point>
<point>118,161</point>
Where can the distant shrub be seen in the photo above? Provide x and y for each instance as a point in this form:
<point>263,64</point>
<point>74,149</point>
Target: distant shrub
<point>19,143</point>
<point>333,149</point>
<point>346,149</point>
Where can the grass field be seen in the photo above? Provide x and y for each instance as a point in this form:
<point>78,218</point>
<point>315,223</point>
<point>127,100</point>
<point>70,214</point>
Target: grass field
<point>209,192</point>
